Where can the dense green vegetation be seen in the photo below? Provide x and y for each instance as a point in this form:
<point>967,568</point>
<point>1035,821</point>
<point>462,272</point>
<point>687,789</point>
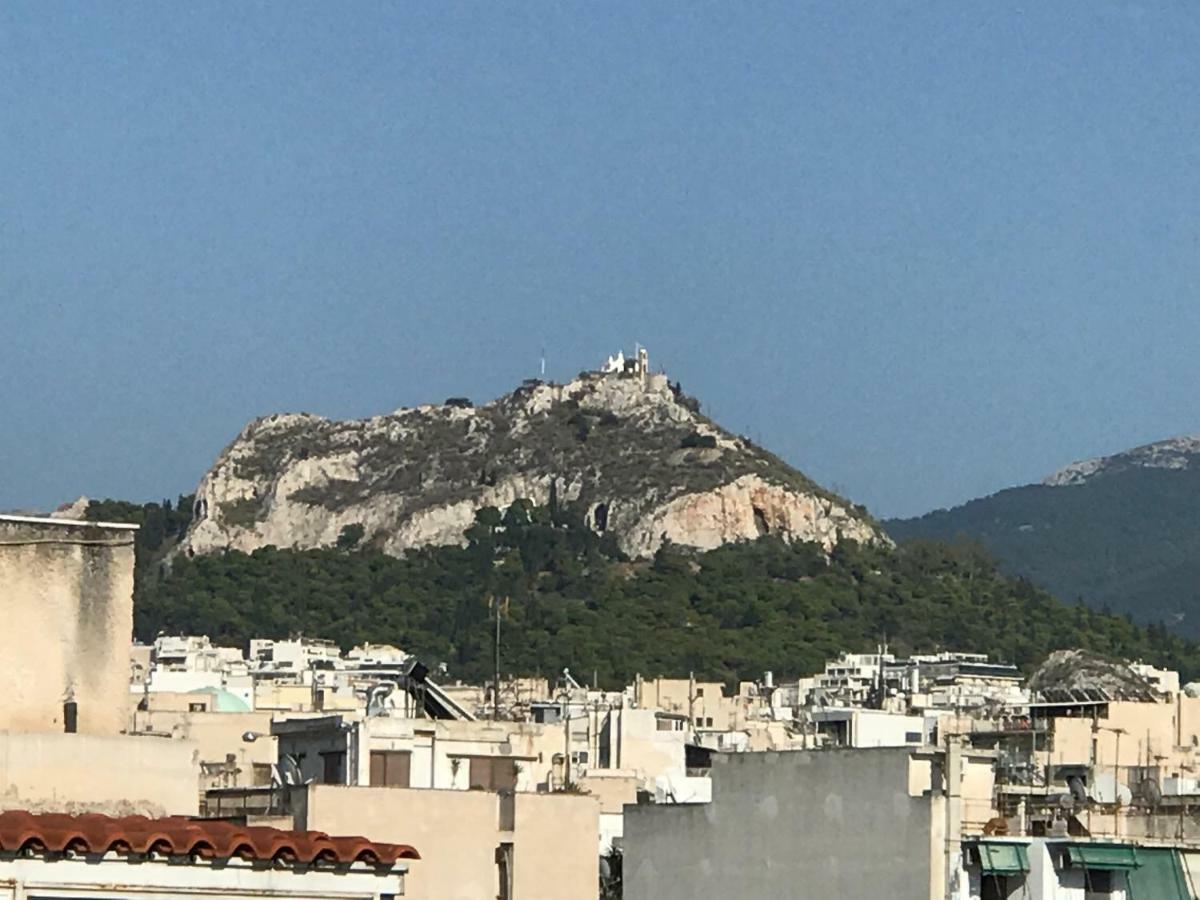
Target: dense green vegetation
<point>575,602</point>
<point>1127,541</point>
<point>161,527</point>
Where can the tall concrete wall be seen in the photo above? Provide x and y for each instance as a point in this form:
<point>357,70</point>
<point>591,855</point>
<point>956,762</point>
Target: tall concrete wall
<point>829,825</point>
<point>85,773</point>
<point>66,603</point>
<point>554,837</point>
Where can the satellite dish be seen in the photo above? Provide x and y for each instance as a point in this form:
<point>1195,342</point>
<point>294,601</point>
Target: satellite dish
<point>289,770</point>
<point>1106,789</point>
<point>1149,792</point>
<point>377,698</point>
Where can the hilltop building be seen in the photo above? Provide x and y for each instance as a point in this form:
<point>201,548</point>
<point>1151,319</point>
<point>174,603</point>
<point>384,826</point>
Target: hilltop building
<point>637,365</point>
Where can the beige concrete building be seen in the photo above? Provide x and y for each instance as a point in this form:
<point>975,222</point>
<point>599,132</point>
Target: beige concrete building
<point>704,703</point>
<point>91,773</point>
<point>474,845</point>
<point>422,753</point>
<point>226,758</point>
<point>66,596</point>
<point>1085,763</point>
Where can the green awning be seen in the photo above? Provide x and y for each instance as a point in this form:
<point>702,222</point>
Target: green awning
<point>1103,856</point>
<point>1002,859</point>
<point>1159,876</point>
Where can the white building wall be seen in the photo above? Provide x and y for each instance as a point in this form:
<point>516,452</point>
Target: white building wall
<point>115,877</point>
<point>873,728</point>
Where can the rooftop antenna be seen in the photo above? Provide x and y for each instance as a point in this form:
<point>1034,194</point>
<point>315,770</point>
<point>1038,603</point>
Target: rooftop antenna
<point>543,360</point>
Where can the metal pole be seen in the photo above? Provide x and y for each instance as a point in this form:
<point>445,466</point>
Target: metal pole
<point>1117,785</point>
<point>567,743</point>
<point>691,704</point>
<point>496,682</point>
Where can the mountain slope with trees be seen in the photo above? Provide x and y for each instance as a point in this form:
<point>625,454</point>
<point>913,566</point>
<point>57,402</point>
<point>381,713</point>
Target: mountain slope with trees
<point>1116,534</point>
<point>578,602</point>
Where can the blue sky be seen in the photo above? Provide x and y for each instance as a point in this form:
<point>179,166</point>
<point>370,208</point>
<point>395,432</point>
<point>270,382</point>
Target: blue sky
<point>922,250</point>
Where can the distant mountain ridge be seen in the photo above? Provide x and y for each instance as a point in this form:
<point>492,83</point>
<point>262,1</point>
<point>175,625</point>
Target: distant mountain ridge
<point>1174,453</point>
<point>1120,532</point>
<point>623,445</point>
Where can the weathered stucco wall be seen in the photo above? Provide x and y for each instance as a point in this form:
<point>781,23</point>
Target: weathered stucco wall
<point>833,825</point>
<point>554,838</point>
<point>66,600</point>
<point>85,773</point>
<point>217,736</point>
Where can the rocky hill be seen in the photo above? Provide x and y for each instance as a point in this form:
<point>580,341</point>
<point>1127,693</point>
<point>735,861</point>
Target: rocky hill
<point>1119,532</point>
<point>1174,453</point>
<point>625,447</point>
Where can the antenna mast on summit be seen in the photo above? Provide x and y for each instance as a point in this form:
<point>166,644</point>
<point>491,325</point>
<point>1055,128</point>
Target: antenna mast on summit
<point>543,360</point>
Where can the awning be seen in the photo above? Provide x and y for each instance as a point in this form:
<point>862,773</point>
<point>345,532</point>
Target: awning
<point>1103,856</point>
<point>1159,875</point>
<point>1002,859</point>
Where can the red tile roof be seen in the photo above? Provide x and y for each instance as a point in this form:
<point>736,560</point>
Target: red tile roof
<point>180,836</point>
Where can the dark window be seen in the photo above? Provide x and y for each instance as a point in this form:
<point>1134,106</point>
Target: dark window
<point>493,773</point>
<point>993,887</point>
<point>390,768</point>
<point>197,707</point>
<point>708,721</point>
<point>699,692</point>
<point>334,767</point>
<point>504,872</point>
<point>664,725</point>
<point>912,737</point>
<point>1102,881</point>
<point>70,717</point>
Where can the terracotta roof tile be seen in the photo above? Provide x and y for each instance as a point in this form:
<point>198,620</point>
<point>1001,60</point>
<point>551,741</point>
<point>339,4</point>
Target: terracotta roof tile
<point>180,836</point>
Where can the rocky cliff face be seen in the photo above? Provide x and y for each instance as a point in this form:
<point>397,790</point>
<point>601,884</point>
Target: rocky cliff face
<point>629,450</point>
<point>1174,453</point>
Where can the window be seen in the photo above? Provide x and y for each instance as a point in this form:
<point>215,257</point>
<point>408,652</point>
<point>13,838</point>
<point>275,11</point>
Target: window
<point>708,722</point>
<point>492,773</point>
<point>391,768</point>
<point>699,692</point>
<point>334,767</point>
<point>912,737</point>
<point>197,707</point>
<point>993,887</point>
<point>664,725</point>
<point>504,872</point>
<point>1102,881</point>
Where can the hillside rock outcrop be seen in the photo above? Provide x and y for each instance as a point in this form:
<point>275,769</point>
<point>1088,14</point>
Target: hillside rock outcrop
<point>627,449</point>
